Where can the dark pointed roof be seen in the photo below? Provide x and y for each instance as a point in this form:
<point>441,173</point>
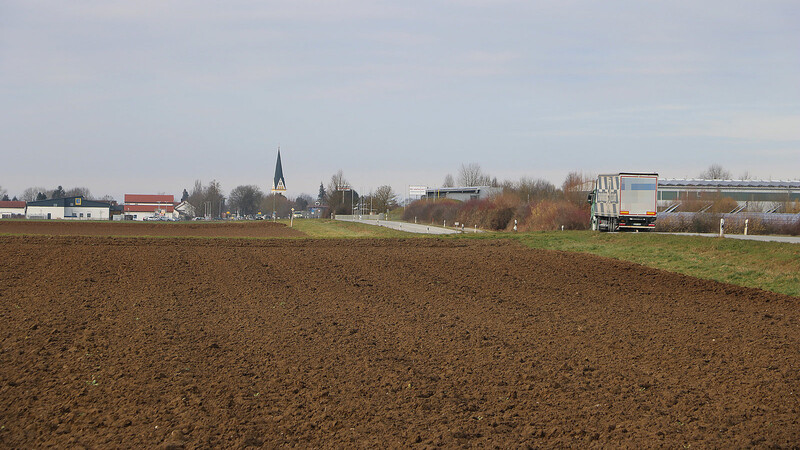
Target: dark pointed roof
<point>278,184</point>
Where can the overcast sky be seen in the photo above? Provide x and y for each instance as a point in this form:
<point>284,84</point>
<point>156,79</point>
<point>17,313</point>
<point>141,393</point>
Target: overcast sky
<point>147,96</point>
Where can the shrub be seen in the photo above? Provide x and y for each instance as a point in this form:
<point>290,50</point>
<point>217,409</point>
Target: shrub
<point>552,215</point>
<point>432,211</point>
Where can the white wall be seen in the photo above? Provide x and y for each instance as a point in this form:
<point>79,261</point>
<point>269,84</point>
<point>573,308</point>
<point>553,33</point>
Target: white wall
<point>57,212</point>
<point>7,212</point>
<point>74,212</point>
<point>40,212</point>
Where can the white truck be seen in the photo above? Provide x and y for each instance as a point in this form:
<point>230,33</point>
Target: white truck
<point>624,201</point>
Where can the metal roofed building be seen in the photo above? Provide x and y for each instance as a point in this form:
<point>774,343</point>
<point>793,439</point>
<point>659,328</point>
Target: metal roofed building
<point>462,194</point>
<point>753,195</point>
<point>75,208</point>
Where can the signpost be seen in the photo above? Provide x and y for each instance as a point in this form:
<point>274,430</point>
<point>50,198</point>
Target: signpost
<point>417,192</point>
<point>343,188</point>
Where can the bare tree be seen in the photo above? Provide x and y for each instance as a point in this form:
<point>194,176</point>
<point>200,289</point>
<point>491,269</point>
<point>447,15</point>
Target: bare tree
<point>30,194</point>
<point>384,198</point>
<point>282,205</point>
<point>448,181</point>
<point>472,175</point>
<point>340,196</point>
<point>715,172</point>
<point>78,192</point>
<point>575,186</point>
<point>245,200</point>
<point>107,198</point>
<point>207,200</point>
<point>530,190</point>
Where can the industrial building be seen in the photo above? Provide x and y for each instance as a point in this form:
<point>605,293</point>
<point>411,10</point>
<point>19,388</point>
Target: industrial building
<point>73,208</point>
<point>462,194</point>
<point>675,195</point>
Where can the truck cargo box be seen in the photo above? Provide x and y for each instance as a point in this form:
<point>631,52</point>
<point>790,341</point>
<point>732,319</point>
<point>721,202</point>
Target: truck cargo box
<point>624,201</point>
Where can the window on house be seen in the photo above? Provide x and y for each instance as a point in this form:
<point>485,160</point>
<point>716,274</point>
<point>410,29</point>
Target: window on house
<point>88,215</point>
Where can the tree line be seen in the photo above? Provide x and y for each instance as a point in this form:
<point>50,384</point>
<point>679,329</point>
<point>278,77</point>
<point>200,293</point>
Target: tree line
<point>37,193</point>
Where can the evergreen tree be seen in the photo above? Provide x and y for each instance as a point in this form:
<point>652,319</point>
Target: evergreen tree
<point>5,198</point>
<point>40,196</point>
<point>321,196</point>
<point>58,193</point>
<point>185,195</point>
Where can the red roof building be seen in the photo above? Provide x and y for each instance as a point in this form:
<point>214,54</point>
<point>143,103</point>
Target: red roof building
<point>12,204</point>
<point>144,206</point>
<point>9,209</point>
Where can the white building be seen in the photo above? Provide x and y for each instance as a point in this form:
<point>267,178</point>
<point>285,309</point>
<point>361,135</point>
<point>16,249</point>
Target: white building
<point>149,206</point>
<point>185,209</point>
<point>11,209</point>
<point>75,208</point>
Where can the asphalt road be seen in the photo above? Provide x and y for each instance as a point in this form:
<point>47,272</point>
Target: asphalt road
<point>430,229</point>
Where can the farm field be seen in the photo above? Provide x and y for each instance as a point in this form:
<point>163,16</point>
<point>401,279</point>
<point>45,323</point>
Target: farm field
<point>145,342</point>
<point>771,266</point>
<point>249,229</point>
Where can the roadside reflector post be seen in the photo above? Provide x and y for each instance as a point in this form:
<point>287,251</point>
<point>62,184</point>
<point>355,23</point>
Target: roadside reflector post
<point>515,225</point>
<point>291,219</point>
<point>721,227</point>
<point>444,223</point>
<point>476,228</point>
<point>745,226</point>
<point>562,227</point>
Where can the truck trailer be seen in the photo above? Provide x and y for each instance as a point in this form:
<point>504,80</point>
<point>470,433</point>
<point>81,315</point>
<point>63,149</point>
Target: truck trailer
<point>624,201</point>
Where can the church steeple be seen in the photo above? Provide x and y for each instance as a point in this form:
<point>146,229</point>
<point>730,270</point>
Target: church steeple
<point>278,184</point>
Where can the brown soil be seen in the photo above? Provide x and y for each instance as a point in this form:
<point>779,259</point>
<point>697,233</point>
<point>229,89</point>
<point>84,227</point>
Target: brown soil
<point>253,229</point>
<point>143,342</point>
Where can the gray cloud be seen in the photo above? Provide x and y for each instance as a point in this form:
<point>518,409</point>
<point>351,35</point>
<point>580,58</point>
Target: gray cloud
<point>391,92</point>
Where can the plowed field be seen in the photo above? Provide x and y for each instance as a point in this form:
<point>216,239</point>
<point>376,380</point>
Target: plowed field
<point>254,229</point>
<point>142,342</point>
